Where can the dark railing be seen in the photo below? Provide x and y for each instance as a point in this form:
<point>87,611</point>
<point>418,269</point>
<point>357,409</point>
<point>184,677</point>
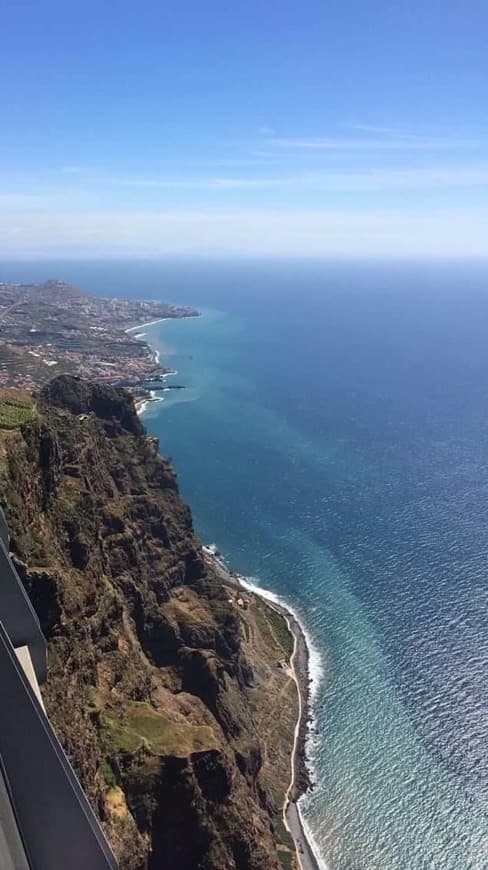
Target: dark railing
<point>12,853</point>
<point>46,822</point>
<point>18,616</point>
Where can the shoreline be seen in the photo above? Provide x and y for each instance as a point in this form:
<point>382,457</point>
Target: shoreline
<point>300,781</point>
<point>150,323</point>
<point>142,404</point>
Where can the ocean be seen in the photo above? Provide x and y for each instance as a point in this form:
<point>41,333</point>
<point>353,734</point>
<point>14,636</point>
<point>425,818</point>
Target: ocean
<point>332,441</point>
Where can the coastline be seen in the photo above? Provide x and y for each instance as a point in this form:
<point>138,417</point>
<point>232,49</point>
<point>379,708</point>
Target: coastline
<point>300,779</point>
<point>141,404</point>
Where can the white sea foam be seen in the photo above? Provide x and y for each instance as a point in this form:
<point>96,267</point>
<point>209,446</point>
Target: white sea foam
<point>153,400</point>
<point>311,839</point>
<point>211,548</point>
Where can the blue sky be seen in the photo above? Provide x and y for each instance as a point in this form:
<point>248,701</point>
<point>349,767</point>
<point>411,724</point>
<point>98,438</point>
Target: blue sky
<point>299,128</point>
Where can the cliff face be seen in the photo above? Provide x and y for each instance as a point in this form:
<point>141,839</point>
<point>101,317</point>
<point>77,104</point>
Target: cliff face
<point>148,687</point>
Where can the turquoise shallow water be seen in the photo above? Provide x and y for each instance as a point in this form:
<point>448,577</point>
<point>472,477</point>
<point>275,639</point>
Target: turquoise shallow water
<point>333,441</point>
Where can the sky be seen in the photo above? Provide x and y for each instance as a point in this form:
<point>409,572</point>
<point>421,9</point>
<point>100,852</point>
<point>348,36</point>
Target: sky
<point>270,128</point>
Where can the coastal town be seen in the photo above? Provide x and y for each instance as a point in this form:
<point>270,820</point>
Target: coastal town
<point>55,328</point>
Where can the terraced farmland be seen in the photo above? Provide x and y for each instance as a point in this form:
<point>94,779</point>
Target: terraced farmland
<point>15,409</point>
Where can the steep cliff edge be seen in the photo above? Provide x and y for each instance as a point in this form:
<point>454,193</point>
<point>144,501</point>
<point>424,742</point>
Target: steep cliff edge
<point>149,687</point>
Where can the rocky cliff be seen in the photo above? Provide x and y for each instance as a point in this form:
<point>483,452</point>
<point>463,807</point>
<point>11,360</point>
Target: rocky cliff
<point>149,687</point>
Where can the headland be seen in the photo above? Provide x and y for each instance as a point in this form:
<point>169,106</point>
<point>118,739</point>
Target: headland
<point>55,328</point>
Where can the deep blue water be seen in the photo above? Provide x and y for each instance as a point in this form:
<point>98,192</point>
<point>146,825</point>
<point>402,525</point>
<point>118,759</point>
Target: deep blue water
<point>333,441</point>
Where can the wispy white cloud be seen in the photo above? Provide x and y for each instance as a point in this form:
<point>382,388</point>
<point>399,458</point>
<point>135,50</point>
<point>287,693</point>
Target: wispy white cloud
<point>390,132</point>
<point>36,201</point>
<point>342,180</point>
<point>44,200</point>
<point>20,201</point>
<point>203,183</point>
<point>247,233</point>
<point>73,170</point>
<point>401,178</point>
<point>367,144</point>
<point>92,190</point>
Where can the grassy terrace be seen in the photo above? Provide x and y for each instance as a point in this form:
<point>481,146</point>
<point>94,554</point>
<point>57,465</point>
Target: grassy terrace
<point>274,630</point>
<point>15,409</point>
<point>139,725</point>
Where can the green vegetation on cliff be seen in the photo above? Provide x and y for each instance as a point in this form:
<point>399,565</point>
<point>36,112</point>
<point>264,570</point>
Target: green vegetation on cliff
<point>15,409</point>
<point>140,725</point>
<point>274,631</point>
